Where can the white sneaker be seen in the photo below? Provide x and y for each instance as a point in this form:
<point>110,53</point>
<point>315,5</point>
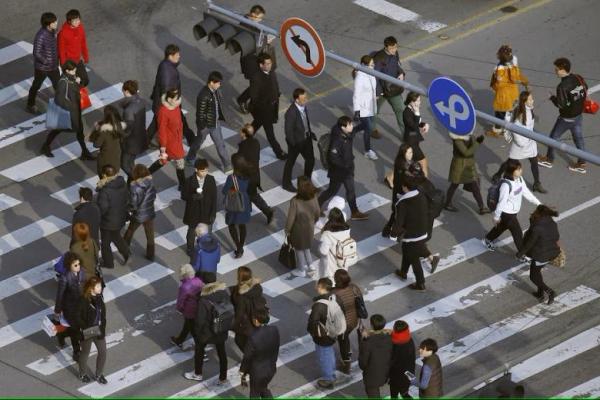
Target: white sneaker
<point>371,155</point>
<point>489,244</point>
<point>300,273</point>
<point>312,268</point>
<point>192,376</point>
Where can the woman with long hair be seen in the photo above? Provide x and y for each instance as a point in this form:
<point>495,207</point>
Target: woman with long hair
<point>92,312</point>
<point>415,128</point>
<point>302,215</point>
<point>521,147</point>
<point>107,136</point>
<point>335,230</point>
<point>236,221</point>
<point>85,248</point>
<point>246,297</point>
<point>541,245</point>
<point>141,205</point>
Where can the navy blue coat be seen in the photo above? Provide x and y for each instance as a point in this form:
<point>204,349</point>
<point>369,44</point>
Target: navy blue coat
<point>167,77</point>
<point>260,354</point>
<point>341,156</point>
<point>143,195</point>
<point>243,217</point>
<point>45,50</point>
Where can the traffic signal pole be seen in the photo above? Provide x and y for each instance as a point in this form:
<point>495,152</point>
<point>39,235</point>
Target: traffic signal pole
<point>538,137</point>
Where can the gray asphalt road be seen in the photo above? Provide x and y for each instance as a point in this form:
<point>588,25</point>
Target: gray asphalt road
<point>477,305</point>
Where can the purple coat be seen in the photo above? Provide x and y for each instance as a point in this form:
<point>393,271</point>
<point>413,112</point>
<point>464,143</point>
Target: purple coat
<point>187,297</point>
<point>45,57</point>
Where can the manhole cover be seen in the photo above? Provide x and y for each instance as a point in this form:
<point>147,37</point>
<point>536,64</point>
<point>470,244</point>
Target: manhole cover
<point>509,9</point>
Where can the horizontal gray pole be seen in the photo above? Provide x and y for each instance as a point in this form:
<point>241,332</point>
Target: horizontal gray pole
<point>538,137</point>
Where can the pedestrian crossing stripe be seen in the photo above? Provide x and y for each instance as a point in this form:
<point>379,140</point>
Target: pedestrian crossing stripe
<point>7,202</point>
<point>27,279</point>
<point>586,390</point>
<point>30,233</point>
<point>15,51</point>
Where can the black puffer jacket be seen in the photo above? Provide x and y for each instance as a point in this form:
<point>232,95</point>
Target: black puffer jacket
<point>68,295</point>
<point>206,108</point>
<point>67,97</point>
<point>246,297</point>
<point>88,313</point>
<point>113,200</point>
<point>374,359</point>
<point>340,156</point>
<point>134,116</point>
<point>215,292</point>
<point>143,195</point>
<point>45,50</point>
<point>541,240</point>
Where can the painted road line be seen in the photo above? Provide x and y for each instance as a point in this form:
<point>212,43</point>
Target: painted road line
<point>19,90</point>
<point>30,233</point>
<point>273,197</point>
<point>365,248</point>
<point>587,390</point>
<point>37,124</point>
<point>399,14</point>
<point>270,244</point>
<point>7,202</point>
<point>114,289</point>
<point>15,51</point>
<point>27,279</point>
<point>594,89</point>
<point>474,342</point>
<point>40,164</point>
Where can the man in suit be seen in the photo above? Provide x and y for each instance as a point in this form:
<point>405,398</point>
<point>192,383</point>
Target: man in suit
<point>260,356</point>
<point>264,101</point>
<point>200,196</point>
<point>299,137</point>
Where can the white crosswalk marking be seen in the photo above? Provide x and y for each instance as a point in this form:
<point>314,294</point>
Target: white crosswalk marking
<point>7,202</point>
<point>15,51</point>
<point>399,14</point>
<point>27,279</point>
<point>30,233</point>
<point>587,390</point>
<point>116,288</point>
<point>37,124</point>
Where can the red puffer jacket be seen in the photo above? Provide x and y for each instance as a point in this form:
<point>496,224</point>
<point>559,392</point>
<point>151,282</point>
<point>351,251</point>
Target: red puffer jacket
<point>72,44</point>
<point>170,129</point>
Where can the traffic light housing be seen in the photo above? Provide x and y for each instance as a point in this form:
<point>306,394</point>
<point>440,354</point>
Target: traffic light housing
<point>218,29</point>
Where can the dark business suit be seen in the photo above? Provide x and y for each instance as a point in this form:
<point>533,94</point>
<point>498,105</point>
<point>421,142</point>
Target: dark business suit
<point>299,140</point>
<point>264,105</point>
<point>260,359</point>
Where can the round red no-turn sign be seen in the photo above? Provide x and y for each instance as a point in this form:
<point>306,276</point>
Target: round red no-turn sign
<point>302,46</point>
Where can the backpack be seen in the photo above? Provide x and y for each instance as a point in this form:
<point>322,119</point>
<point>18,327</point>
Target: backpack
<point>435,201</point>
<point>323,145</point>
<point>222,315</point>
<point>345,253</point>
<point>59,266</point>
<point>493,194</point>
<point>335,323</point>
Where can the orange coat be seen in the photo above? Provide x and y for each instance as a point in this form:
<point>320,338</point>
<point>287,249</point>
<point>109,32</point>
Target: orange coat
<point>505,82</point>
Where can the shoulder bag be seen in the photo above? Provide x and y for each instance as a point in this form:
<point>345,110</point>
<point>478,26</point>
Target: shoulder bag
<point>56,116</point>
<point>234,201</point>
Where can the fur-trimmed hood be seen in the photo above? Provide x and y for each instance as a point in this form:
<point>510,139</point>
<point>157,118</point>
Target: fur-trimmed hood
<point>142,180</point>
<point>246,286</point>
<point>213,287</point>
<point>108,127</point>
<point>105,181</point>
<point>163,100</point>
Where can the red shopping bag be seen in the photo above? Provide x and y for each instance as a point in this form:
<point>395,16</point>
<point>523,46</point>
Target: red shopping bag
<point>84,98</point>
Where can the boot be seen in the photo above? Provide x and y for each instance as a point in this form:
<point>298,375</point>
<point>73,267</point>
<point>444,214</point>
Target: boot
<point>551,295</point>
<point>359,216</point>
<point>539,294</point>
<point>156,165</point>
<point>45,150</point>
<point>180,178</point>
<point>150,252</point>
<point>344,367</point>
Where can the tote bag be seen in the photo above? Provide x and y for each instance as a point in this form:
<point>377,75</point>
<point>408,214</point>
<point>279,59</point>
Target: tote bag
<point>56,116</point>
<point>234,201</point>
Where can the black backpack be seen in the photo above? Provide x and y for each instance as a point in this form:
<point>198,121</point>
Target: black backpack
<point>222,315</point>
<point>323,144</point>
<point>436,199</point>
<point>493,194</point>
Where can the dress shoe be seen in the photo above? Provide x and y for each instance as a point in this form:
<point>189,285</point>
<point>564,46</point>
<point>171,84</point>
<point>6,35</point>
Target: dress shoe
<point>101,380</point>
<point>400,275</point>
<point>435,260</point>
<point>417,287</point>
<point>359,216</point>
<point>85,378</point>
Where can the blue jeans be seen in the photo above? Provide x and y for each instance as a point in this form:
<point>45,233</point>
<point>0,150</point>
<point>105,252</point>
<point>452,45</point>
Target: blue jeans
<point>366,125</point>
<point>217,138</point>
<point>560,127</point>
<point>326,360</point>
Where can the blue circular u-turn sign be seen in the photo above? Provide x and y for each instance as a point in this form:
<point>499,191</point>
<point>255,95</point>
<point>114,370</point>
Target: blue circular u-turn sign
<point>452,106</point>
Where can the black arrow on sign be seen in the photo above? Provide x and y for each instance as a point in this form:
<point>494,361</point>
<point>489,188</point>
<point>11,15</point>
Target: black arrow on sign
<point>303,46</point>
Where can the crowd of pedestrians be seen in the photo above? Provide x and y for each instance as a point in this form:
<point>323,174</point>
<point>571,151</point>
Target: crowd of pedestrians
<point>209,308</point>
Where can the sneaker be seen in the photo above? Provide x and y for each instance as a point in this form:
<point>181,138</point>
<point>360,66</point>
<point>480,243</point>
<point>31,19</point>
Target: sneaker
<point>312,268</point>
<point>85,378</point>
<point>243,107</point>
<point>435,260</point>
<point>300,273</point>
<point>359,216</point>
<point>101,380</point>
<point>371,155</point>
<point>176,343</point>
<point>545,161</point>
<point>524,259</point>
<point>578,167</point>
<point>228,171</point>
<point>322,383</point>
<point>192,376</point>
<point>537,187</point>
<point>489,244</point>
<point>375,134</point>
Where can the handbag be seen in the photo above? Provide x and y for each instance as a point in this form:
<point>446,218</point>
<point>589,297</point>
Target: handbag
<point>91,332</point>
<point>589,105</point>
<point>56,116</point>
<point>560,260</point>
<point>234,201</point>
<point>287,255</point>
<point>359,304</point>
<point>84,98</point>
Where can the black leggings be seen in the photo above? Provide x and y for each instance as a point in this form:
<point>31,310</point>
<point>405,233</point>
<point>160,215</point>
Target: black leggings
<point>79,134</point>
<point>240,239</point>
<point>474,189</point>
<point>510,222</point>
<point>535,169</point>
<point>535,276</point>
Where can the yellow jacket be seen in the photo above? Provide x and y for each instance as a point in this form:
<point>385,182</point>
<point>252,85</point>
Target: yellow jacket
<point>505,82</point>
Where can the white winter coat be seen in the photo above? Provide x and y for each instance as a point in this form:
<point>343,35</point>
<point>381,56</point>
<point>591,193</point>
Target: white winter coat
<point>364,98</point>
<point>329,240</point>
<point>520,146</point>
